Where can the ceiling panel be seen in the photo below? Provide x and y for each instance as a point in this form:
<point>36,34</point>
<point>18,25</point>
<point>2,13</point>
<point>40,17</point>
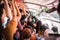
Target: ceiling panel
<point>51,3</point>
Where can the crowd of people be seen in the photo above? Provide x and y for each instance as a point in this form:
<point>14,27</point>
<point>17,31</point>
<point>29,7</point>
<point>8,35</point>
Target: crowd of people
<point>15,24</point>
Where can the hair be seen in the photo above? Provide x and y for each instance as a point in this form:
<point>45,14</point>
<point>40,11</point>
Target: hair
<point>55,29</point>
<point>38,25</point>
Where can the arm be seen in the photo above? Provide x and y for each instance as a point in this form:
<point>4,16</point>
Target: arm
<point>14,14</point>
<point>20,27</point>
<point>7,9</point>
<point>22,6</point>
<point>11,26</point>
<point>18,12</point>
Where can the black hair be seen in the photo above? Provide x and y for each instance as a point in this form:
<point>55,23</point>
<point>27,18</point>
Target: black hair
<point>58,8</point>
<point>38,25</point>
<point>55,29</point>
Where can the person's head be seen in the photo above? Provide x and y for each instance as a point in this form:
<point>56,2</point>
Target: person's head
<point>42,29</point>
<point>39,24</point>
<point>55,29</point>
<point>27,32</point>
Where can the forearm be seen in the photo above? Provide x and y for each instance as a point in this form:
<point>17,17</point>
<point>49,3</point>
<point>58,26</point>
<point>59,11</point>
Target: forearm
<point>18,12</point>
<point>7,9</point>
<point>23,7</point>
<point>14,10</point>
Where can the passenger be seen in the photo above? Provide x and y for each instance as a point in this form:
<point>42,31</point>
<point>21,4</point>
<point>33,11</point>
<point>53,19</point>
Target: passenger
<point>55,30</point>
<point>40,34</point>
<point>12,25</point>
<point>46,33</point>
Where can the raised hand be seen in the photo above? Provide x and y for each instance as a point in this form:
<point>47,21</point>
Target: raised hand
<point>18,12</point>
<point>13,1</point>
<point>7,9</point>
<point>5,1</point>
